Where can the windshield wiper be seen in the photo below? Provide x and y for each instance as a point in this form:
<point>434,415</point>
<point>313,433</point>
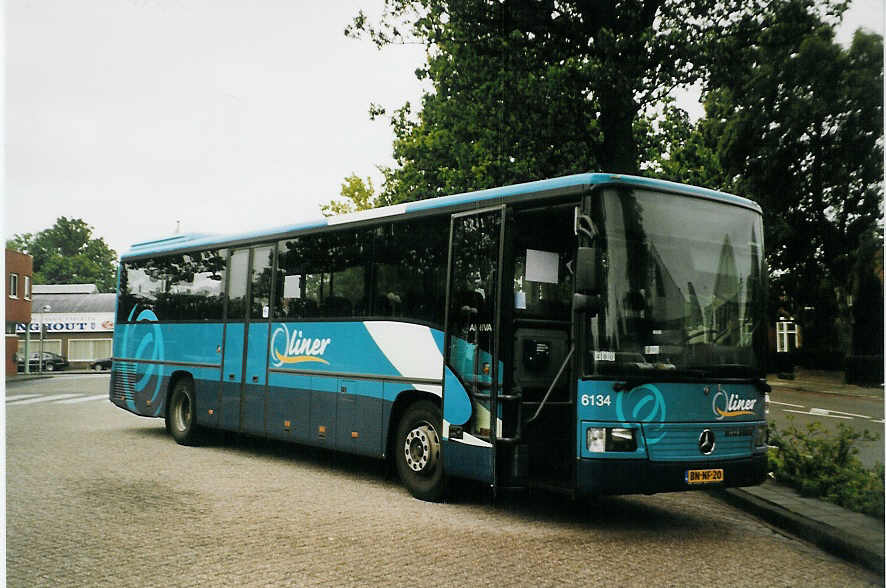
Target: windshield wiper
<point>630,383</point>
<point>735,370</point>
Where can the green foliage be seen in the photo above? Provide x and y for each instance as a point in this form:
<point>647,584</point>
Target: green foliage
<point>827,467</point>
<point>356,195</point>
<point>528,90</point>
<point>67,253</point>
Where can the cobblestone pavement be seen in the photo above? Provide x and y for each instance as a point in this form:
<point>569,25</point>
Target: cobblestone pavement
<point>98,496</point>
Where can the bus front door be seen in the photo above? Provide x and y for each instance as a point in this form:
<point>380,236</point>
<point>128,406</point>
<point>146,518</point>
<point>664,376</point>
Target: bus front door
<point>246,340</point>
<point>473,371</point>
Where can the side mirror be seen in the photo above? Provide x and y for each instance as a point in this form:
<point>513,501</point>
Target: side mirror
<point>586,270</point>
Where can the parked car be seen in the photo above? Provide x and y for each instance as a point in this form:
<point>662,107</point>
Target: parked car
<point>51,361</point>
<point>100,364</point>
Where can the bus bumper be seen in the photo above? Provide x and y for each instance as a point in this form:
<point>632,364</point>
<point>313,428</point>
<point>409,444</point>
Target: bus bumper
<point>611,476</point>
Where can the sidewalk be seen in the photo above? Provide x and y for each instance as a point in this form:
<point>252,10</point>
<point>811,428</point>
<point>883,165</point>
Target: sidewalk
<point>822,382</point>
<point>852,536</point>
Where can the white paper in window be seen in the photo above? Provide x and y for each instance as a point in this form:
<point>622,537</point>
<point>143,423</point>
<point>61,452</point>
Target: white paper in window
<point>520,300</point>
<point>542,266</point>
<point>292,286</point>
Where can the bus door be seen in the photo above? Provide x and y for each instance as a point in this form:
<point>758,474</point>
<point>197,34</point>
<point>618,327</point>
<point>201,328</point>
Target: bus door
<point>245,365</point>
<point>543,372</point>
<point>473,370</point>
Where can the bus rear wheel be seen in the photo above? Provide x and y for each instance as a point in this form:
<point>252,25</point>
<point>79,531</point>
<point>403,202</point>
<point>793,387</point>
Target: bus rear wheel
<point>181,413</point>
<point>417,451</point>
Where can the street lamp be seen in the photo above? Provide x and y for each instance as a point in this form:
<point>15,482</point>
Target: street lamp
<point>43,309</point>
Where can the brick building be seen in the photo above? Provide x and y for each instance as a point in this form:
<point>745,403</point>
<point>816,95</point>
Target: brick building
<point>19,269</point>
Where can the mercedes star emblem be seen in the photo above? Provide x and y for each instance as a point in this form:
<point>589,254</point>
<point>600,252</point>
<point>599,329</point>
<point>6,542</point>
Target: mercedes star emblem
<point>706,442</point>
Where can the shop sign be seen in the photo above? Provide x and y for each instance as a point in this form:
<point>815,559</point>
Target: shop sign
<point>86,322</point>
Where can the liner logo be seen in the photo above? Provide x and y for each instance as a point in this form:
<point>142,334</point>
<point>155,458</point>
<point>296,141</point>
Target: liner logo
<point>291,348</point>
<point>731,405</point>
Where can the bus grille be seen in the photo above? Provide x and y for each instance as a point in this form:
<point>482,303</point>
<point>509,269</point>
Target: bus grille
<point>680,441</point>
<point>123,382</point>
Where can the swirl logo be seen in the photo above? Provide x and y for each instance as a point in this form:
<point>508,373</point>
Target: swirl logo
<point>296,348</point>
<point>647,405</point>
<point>149,348</point>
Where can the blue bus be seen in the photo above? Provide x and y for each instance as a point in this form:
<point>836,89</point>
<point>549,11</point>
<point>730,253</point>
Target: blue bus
<point>590,334</point>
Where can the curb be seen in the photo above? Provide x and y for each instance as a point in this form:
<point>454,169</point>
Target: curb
<point>47,375</point>
<point>846,546</point>
<point>11,379</point>
<point>853,394</point>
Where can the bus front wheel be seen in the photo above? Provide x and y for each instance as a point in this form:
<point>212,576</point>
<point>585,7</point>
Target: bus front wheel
<point>417,451</point>
<point>181,413</point>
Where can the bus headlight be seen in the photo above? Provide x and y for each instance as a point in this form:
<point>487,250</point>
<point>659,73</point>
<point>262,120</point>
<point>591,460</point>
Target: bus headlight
<point>603,439</point>
<point>596,440</point>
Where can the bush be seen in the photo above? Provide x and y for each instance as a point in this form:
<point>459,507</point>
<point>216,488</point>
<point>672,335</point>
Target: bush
<point>820,466</point>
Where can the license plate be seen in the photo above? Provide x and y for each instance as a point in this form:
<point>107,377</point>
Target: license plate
<point>704,476</point>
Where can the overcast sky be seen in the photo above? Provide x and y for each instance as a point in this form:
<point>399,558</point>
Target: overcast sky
<point>225,115</point>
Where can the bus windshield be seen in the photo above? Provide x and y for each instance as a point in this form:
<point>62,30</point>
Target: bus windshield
<point>683,288</point>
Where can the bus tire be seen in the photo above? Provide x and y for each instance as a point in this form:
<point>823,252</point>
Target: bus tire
<point>417,451</point>
<point>181,413</point>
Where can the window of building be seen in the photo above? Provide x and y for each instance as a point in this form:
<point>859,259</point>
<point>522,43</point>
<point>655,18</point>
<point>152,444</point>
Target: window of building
<point>13,285</point>
<point>49,345</point>
<point>787,336</point>
<point>88,349</point>
<point>27,287</point>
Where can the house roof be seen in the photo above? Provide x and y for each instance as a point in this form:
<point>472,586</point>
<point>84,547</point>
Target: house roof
<point>73,303</point>
<point>64,289</point>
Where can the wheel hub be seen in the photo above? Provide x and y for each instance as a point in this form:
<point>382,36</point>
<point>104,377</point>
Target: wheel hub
<point>421,448</point>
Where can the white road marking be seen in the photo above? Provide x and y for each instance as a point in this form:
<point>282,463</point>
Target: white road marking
<point>84,399</point>
<point>84,376</point>
<point>20,397</point>
<point>861,416</point>
<point>787,404</point>
<point>49,398</point>
<point>821,412</point>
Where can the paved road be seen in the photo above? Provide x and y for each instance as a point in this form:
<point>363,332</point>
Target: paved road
<point>831,410</point>
<point>97,496</point>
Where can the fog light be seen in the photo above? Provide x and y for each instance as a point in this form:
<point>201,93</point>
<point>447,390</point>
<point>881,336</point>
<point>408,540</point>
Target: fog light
<point>620,440</point>
<point>596,440</point>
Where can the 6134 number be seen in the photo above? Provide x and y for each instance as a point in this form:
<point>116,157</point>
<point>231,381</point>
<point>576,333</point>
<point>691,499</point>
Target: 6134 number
<point>596,400</point>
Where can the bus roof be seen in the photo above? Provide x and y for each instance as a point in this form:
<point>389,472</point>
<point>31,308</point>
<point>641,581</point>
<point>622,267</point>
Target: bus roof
<point>542,189</point>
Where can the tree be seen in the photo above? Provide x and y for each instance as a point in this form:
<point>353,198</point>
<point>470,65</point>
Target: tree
<point>356,195</point>
<point>67,253</point>
<point>529,89</point>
